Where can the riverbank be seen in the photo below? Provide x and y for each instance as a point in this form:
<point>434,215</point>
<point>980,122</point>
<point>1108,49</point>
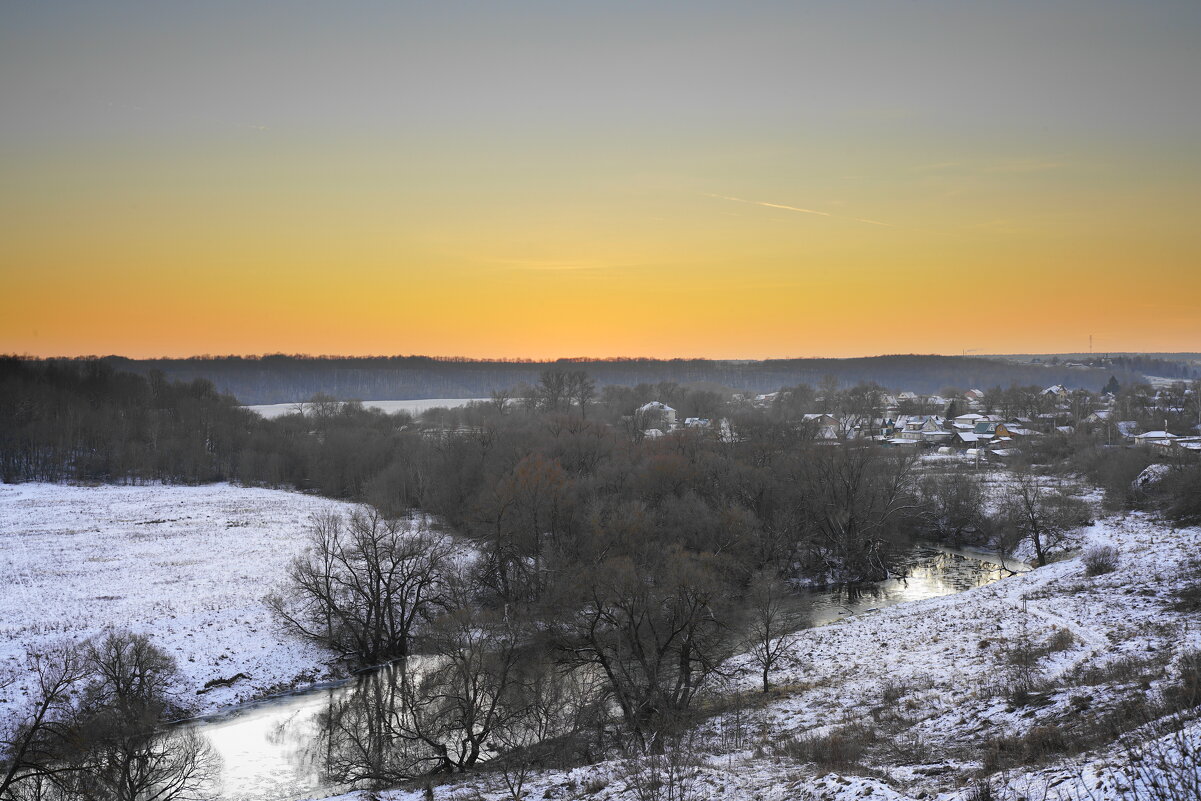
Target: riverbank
<point>921,700</point>
<point>187,565</point>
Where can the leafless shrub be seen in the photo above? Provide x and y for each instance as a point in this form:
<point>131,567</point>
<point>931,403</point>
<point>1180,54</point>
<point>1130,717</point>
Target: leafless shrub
<point>1101,560</point>
<point>840,749</point>
<point>1165,767</point>
<point>1188,597</point>
<point>1038,745</point>
<point>981,790</point>
<point>1123,670</point>
<point>908,747</point>
<point>667,772</point>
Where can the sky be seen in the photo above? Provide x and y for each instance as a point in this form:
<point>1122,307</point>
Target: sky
<point>553,179</point>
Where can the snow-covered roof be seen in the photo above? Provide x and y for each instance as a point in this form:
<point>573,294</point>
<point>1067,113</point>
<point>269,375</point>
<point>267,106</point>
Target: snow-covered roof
<point>655,406</point>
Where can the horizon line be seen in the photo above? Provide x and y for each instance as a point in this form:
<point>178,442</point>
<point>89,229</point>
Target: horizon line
<point>567,359</point>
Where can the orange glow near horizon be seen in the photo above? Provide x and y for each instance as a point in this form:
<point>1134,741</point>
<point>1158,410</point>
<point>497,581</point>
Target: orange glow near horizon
<point>594,214</point>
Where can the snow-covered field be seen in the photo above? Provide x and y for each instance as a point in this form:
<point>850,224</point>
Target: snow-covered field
<point>187,565</point>
<point>928,684</point>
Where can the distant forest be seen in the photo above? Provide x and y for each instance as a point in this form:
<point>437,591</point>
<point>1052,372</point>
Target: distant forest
<point>285,379</point>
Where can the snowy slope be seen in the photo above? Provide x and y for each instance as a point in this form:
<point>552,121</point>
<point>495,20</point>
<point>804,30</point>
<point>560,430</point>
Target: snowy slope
<point>932,681</point>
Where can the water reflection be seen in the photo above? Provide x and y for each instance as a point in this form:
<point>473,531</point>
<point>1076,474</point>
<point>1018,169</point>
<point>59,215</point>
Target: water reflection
<point>267,748</point>
<point>923,572</point>
<point>308,744</point>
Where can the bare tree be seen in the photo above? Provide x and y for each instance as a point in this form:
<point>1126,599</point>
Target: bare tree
<point>440,713</point>
<point>96,730</point>
<point>364,585</point>
<point>33,749</point>
<point>147,764</point>
<point>525,509</point>
<point>552,389</point>
<point>953,505</point>
<point>654,628</point>
<point>499,399</point>
<point>1040,514</point>
<point>772,618</point>
<point>849,499</point>
<point>581,389</point>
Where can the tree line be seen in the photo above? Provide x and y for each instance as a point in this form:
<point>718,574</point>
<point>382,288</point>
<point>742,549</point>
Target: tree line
<point>280,378</point>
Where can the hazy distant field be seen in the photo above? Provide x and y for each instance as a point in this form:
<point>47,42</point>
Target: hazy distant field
<point>390,406</point>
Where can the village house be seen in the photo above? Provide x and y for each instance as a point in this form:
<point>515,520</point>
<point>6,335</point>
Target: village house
<point>824,426</point>
<point>969,439</point>
<point>1059,391</point>
<point>1161,439</point>
<point>1126,427</point>
<point>986,428</point>
<point>1012,430</point>
<point>659,412</point>
<point>967,422</point>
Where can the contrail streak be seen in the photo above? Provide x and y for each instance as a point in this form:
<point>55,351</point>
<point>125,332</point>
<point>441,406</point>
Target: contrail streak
<point>797,208</point>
